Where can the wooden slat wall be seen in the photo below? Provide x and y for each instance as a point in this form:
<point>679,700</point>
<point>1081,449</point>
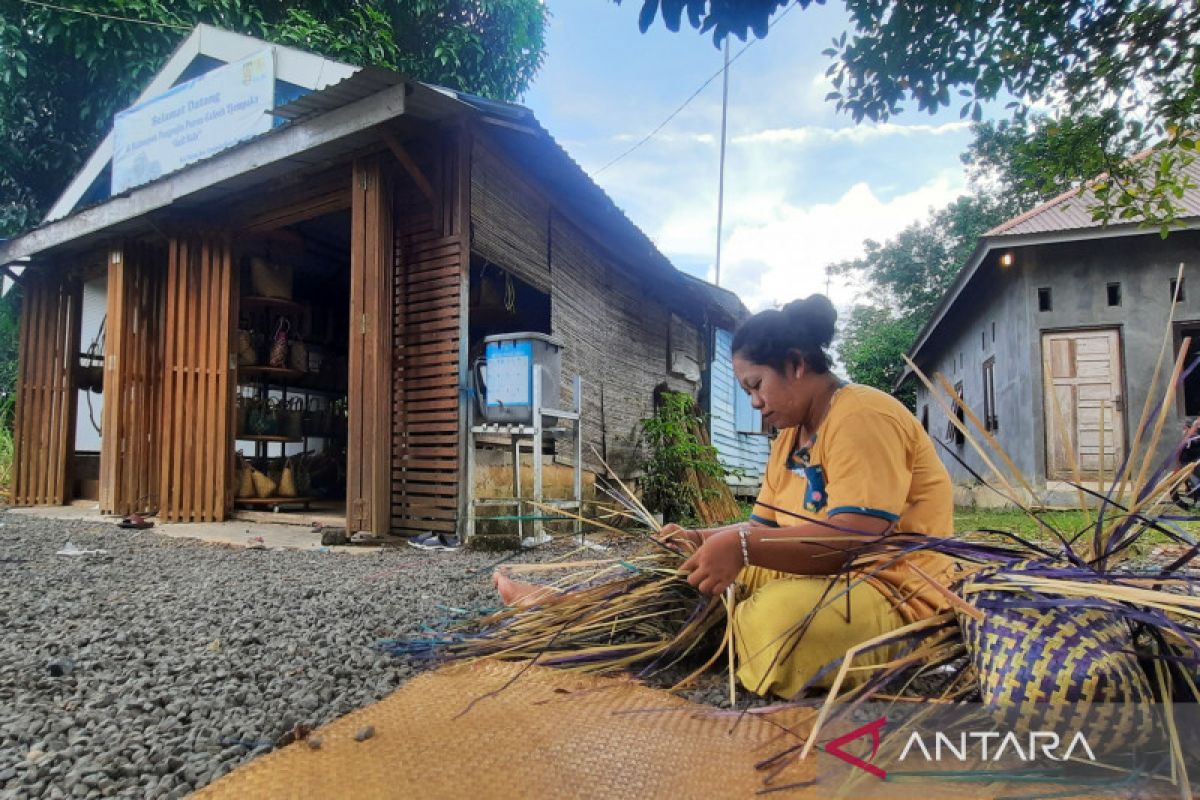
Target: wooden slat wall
<point>197,395</point>
<point>509,220</point>
<point>616,336</point>
<point>368,454</point>
<point>133,357</point>
<point>430,288</point>
<point>45,415</point>
<point>579,318</point>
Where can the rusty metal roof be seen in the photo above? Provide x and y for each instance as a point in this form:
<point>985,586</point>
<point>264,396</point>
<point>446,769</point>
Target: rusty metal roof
<point>1071,210</point>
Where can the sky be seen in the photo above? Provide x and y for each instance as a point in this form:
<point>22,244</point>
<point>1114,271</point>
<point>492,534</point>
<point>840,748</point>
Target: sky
<point>804,185</point>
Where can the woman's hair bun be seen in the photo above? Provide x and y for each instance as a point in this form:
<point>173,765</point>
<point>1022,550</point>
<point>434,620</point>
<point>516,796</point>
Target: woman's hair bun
<point>774,337</point>
<point>815,315</point>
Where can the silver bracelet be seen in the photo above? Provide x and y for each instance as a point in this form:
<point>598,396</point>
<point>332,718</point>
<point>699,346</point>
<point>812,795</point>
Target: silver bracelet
<point>743,532</point>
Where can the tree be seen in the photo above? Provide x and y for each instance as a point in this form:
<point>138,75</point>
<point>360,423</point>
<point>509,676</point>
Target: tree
<point>907,276</point>
<point>65,73</point>
<point>1123,74</point>
<point>871,344</point>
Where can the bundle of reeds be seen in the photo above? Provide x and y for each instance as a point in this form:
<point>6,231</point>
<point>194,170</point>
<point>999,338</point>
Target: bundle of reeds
<point>714,503</point>
<point>604,615</point>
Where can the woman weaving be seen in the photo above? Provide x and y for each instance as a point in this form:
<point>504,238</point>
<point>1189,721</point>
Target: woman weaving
<point>849,456</point>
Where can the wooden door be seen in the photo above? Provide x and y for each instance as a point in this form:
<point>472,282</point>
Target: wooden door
<point>195,482</point>
<point>368,446</point>
<point>44,427</point>
<point>1084,408</point>
<point>133,362</point>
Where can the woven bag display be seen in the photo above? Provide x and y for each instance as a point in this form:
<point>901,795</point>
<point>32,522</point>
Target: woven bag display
<point>279,345</point>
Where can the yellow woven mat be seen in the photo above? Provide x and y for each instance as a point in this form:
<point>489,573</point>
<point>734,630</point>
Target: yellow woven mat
<point>549,734</point>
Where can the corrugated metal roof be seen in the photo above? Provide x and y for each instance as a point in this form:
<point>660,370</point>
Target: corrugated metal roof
<point>1072,210</point>
<point>363,83</point>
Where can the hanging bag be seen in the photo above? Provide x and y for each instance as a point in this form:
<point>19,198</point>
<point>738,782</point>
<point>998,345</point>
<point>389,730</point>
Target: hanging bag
<point>279,345</point>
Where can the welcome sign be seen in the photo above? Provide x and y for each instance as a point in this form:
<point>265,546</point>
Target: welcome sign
<point>193,120</point>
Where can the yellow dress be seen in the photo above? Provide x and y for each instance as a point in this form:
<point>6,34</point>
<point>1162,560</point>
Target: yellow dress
<point>869,456</point>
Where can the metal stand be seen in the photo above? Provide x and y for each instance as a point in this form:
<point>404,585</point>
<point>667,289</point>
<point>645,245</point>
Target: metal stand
<point>533,437</point>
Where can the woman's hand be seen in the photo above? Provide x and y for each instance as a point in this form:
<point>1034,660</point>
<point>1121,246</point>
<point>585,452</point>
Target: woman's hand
<point>673,535</point>
<point>716,565</point>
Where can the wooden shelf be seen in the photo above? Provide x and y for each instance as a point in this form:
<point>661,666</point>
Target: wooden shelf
<point>275,503</point>
<point>277,303</point>
<point>280,439</point>
<point>280,373</point>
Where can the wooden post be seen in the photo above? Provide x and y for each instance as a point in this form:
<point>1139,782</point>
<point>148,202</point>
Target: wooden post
<point>368,449</point>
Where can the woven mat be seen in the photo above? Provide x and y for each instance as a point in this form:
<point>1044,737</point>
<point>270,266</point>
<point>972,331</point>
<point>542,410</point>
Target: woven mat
<point>549,734</point>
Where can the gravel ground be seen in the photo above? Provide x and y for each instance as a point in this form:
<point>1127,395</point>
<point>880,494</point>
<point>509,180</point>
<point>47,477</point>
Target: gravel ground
<point>183,660</point>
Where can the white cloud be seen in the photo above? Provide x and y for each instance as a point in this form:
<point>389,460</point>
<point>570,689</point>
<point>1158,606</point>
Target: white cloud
<point>856,134</point>
<point>669,138</point>
<point>775,251</point>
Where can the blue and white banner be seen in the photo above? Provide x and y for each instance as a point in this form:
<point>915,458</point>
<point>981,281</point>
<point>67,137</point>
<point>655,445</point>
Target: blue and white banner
<point>193,120</point>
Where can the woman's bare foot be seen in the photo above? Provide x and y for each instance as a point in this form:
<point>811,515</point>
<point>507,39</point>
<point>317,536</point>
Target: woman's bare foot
<point>519,593</point>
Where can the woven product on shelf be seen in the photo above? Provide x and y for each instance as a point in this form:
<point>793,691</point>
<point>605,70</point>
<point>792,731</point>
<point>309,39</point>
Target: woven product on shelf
<point>264,485</point>
<point>287,480</point>
<point>279,346</point>
<point>245,479</point>
<point>247,353</point>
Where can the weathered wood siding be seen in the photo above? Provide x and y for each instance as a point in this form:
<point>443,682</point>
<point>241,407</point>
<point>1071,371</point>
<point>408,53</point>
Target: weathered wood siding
<point>430,289</point>
<point>616,333</point>
<point>45,411</point>
<point>742,451</point>
<point>133,380</point>
<point>616,336</point>
<point>509,219</point>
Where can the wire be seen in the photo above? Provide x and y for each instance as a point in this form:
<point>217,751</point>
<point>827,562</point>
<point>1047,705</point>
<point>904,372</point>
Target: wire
<point>106,16</point>
<point>694,94</point>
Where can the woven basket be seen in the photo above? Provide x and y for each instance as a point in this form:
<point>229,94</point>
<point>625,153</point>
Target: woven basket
<point>291,418</point>
<point>1064,668</point>
<point>247,353</point>
<point>287,480</point>
<point>263,485</point>
<point>245,479</point>
<point>270,280</point>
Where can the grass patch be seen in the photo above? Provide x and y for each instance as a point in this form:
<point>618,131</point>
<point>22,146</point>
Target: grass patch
<point>1068,523</point>
<point>1020,523</point>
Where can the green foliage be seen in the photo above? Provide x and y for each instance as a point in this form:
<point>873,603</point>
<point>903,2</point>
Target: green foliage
<point>10,311</point>
<point>10,307</point>
<point>63,75</point>
<point>872,343</point>
<point>673,453</point>
<point>907,276</point>
<point>1119,76</point>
